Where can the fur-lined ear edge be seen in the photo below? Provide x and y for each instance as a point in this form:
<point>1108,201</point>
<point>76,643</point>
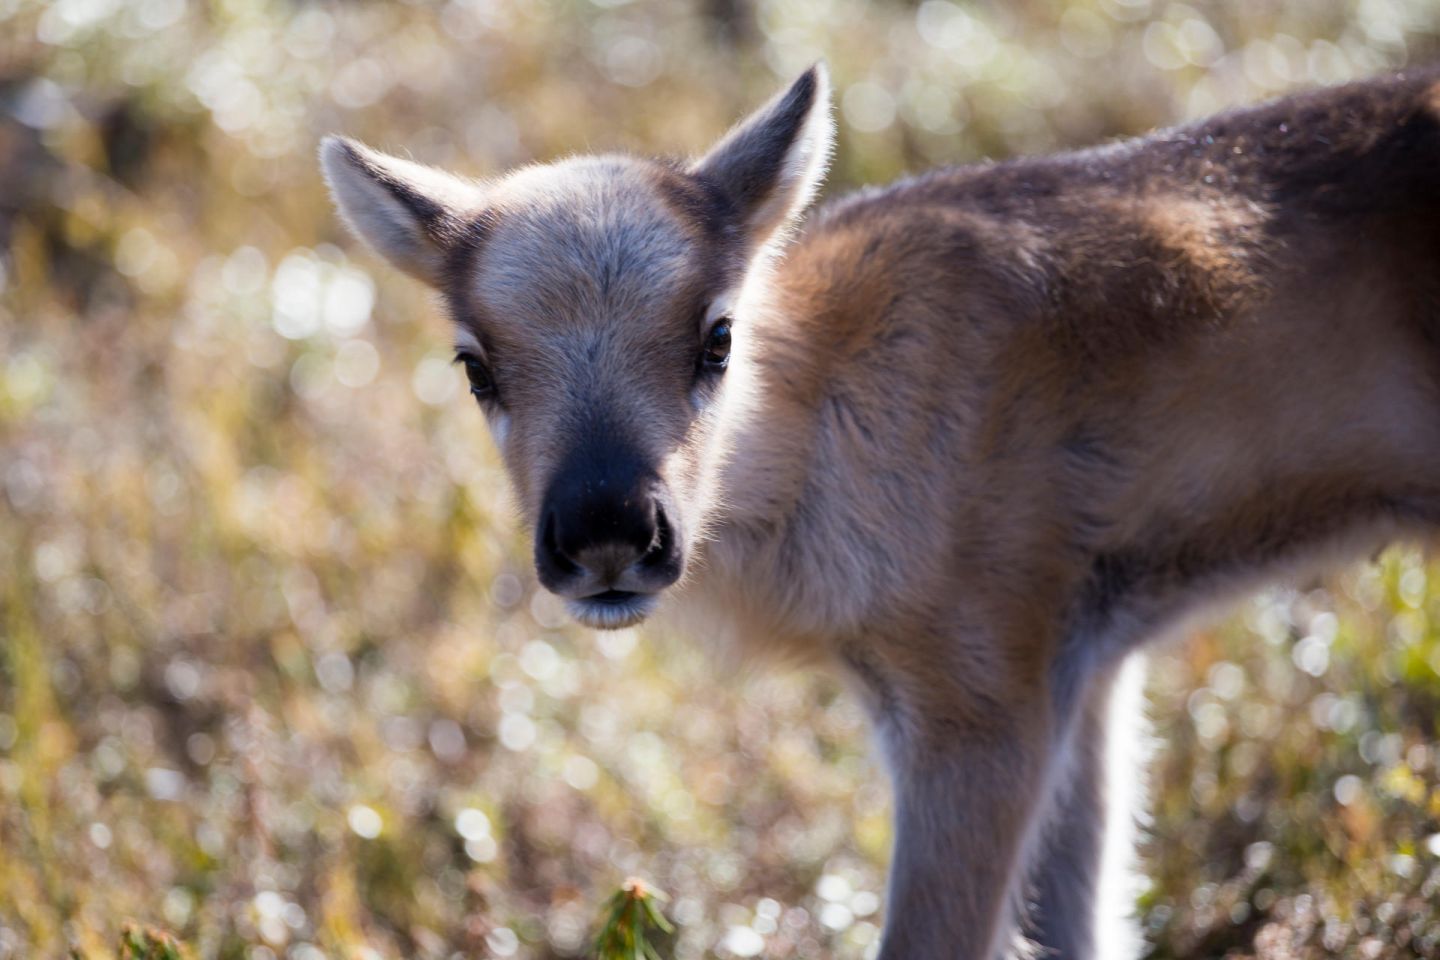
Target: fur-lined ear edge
<point>407,212</point>
<point>771,164</point>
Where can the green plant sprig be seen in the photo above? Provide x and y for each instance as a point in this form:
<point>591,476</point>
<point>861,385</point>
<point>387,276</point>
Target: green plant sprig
<point>630,915</point>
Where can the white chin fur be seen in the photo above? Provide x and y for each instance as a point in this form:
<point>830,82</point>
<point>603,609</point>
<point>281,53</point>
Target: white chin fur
<point>613,616</point>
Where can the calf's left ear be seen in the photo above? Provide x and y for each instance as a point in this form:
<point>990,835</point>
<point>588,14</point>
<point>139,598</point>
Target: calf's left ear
<point>409,213</point>
<point>771,164</point>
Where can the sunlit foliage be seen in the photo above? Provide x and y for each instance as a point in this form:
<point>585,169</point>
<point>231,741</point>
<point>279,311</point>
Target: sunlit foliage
<point>274,673</point>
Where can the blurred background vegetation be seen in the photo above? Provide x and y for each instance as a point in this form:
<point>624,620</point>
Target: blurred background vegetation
<point>274,672</point>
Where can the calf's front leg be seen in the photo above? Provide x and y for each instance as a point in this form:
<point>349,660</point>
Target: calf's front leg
<point>968,779</point>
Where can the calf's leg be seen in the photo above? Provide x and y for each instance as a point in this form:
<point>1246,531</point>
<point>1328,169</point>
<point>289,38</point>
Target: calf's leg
<point>968,769</point>
<point>1081,882</point>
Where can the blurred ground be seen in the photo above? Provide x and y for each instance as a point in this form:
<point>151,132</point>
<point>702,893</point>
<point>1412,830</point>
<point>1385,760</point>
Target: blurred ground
<point>274,674</point>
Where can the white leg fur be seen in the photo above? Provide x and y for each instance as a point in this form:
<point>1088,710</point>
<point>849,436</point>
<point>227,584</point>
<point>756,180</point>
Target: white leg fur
<point>1082,870</point>
<point>1117,934</point>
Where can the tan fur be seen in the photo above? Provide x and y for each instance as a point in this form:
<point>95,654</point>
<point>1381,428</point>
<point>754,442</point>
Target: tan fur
<point>986,431</point>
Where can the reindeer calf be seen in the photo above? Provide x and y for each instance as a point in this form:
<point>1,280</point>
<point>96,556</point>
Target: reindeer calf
<point>975,436</point>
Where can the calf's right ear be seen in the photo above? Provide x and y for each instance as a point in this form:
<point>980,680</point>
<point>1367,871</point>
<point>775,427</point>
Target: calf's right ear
<point>409,213</point>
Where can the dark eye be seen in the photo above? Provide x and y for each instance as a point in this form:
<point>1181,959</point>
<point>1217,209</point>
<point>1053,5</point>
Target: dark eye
<point>482,387</point>
<point>716,353</point>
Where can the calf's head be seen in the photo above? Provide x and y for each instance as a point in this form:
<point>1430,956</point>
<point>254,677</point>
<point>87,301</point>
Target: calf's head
<point>593,303</point>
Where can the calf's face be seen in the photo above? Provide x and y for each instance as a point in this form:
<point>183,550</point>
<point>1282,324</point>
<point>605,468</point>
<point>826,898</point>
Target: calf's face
<point>593,307</point>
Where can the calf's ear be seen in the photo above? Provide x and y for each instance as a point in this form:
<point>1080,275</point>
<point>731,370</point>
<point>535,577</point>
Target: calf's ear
<point>771,164</point>
<point>409,213</point>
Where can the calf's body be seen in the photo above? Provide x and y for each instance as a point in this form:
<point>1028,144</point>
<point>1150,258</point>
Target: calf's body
<point>986,431</point>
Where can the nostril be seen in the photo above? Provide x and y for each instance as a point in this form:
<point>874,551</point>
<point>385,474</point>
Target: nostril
<point>550,538</point>
<point>663,543</point>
